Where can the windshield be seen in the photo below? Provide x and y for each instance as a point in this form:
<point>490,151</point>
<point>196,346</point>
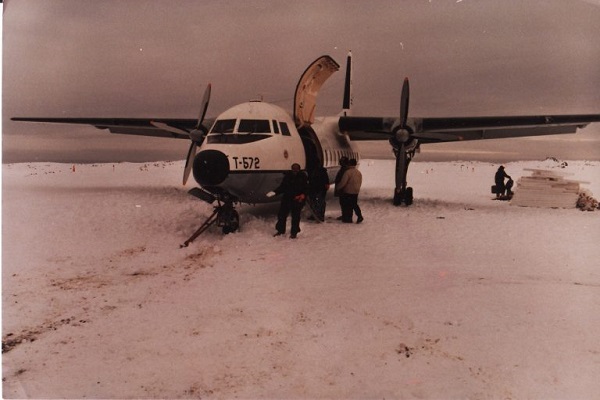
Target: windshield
<point>223,126</point>
<point>254,126</point>
<point>246,126</point>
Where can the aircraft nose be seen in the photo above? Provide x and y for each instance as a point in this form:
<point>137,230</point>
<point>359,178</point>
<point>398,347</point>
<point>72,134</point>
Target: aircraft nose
<point>211,167</point>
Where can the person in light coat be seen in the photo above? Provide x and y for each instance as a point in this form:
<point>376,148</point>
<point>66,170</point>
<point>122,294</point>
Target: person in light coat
<point>349,188</point>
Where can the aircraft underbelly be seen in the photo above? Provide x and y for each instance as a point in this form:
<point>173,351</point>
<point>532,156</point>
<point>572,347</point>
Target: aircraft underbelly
<point>252,187</point>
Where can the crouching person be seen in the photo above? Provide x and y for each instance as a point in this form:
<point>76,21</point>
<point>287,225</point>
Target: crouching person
<point>293,189</point>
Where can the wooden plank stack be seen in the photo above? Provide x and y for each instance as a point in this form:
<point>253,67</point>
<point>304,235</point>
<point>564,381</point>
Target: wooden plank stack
<point>546,189</point>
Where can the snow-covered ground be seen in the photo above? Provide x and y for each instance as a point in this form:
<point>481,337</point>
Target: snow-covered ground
<point>457,296</point>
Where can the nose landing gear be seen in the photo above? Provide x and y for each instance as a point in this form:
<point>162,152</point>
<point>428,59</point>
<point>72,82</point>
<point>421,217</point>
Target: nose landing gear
<point>224,214</point>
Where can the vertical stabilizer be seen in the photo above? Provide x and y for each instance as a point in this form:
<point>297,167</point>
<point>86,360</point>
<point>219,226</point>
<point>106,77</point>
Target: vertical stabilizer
<point>348,86</point>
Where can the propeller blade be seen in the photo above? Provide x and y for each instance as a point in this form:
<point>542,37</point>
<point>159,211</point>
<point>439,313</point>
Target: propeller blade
<point>404,103</point>
<point>189,162</point>
<point>205,101</point>
<point>197,135</point>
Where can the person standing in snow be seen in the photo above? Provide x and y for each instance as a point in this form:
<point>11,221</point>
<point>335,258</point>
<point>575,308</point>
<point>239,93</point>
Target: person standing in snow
<point>338,178</point>
<point>293,189</point>
<point>318,184</point>
<point>349,187</point>
<point>499,180</point>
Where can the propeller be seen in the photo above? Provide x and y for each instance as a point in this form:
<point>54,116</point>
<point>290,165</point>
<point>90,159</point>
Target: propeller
<point>197,135</point>
<point>404,103</point>
<point>402,134</point>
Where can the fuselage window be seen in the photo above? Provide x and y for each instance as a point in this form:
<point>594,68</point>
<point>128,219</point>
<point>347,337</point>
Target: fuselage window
<point>275,127</point>
<point>223,126</point>
<point>284,129</point>
<point>254,126</point>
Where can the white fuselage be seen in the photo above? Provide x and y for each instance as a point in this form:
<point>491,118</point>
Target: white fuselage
<point>251,145</point>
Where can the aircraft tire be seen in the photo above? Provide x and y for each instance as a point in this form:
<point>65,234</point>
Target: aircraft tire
<point>232,224</point>
<point>408,196</point>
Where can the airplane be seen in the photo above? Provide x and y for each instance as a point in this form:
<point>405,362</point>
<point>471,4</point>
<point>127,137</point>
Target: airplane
<point>244,152</point>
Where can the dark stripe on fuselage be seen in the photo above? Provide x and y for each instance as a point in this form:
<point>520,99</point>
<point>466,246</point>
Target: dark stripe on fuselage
<point>251,186</point>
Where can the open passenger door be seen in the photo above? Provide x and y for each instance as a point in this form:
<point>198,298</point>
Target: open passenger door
<point>305,99</point>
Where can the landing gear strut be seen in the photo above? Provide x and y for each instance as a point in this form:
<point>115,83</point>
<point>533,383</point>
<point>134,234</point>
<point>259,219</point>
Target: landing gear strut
<point>404,152</point>
<point>405,146</point>
<point>224,215</point>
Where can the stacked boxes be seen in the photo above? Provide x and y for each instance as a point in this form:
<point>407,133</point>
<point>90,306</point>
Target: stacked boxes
<point>547,189</point>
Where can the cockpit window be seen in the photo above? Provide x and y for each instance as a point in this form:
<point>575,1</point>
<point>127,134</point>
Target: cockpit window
<point>254,126</point>
<point>223,126</point>
<point>284,129</point>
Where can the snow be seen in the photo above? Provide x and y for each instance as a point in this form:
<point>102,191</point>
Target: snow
<point>457,296</point>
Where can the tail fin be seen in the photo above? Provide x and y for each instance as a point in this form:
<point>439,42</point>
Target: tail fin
<point>347,105</point>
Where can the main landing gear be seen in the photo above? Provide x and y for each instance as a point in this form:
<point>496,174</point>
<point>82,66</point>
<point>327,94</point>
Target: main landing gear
<point>404,153</point>
<point>405,145</point>
<point>224,214</point>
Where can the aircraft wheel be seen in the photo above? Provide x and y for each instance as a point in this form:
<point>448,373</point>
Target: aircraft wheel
<point>231,222</point>
<point>408,196</point>
<point>397,198</point>
<point>403,196</point>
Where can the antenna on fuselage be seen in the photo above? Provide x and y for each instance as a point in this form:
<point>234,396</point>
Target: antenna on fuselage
<point>347,105</point>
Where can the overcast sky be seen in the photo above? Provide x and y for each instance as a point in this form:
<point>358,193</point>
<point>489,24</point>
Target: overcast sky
<point>153,58</point>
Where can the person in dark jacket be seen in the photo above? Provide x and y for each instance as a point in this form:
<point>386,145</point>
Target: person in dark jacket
<point>509,185</point>
<point>318,184</point>
<point>293,189</point>
<point>338,178</point>
<point>499,180</point>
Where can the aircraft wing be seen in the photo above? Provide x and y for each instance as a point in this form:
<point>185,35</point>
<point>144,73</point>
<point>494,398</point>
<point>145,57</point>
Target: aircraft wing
<point>159,127</point>
<point>435,130</point>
